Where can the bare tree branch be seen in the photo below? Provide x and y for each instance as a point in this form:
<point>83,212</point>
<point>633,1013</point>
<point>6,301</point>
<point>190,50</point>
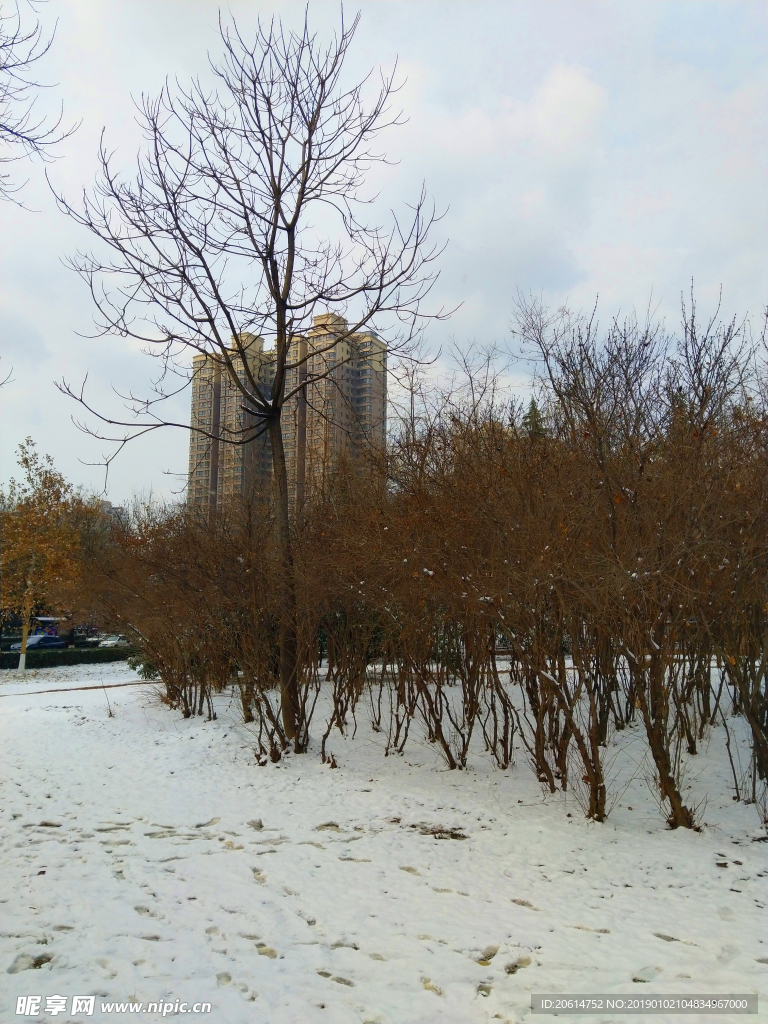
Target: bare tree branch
<point>22,132</point>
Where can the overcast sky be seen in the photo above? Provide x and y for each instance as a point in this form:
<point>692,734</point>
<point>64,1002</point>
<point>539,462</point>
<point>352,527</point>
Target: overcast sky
<point>581,148</point>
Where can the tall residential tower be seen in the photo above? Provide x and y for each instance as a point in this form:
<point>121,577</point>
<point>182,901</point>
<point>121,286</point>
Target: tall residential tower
<point>219,466</point>
<point>339,408</point>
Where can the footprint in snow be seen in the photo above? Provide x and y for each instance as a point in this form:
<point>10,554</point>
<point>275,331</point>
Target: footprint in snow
<point>728,953</point>
<point>225,978</point>
<point>410,870</point>
<point>108,971</point>
<point>516,965</point>
<point>336,978</point>
<point>25,962</point>
<point>671,938</point>
<point>647,974</point>
<point>525,903</point>
<point>145,912</point>
<point>439,831</point>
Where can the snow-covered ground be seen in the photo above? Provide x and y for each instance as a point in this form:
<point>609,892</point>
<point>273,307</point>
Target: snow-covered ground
<point>149,858</point>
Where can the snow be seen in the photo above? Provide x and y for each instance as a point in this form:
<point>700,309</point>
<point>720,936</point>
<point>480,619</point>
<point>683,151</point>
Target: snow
<point>151,858</point>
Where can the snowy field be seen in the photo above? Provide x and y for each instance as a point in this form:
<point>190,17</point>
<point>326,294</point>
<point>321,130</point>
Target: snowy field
<point>148,858</point>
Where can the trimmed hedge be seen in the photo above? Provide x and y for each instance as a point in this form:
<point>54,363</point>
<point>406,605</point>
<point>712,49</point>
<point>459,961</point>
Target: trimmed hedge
<point>64,656</point>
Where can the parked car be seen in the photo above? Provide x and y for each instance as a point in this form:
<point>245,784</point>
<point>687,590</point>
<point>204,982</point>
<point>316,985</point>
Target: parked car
<point>41,640</point>
<point>114,641</point>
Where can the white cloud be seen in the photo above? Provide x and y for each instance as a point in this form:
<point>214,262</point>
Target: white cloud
<point>566,110</point>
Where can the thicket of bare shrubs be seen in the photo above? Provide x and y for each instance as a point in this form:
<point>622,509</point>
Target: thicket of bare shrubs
<point>594,563</point>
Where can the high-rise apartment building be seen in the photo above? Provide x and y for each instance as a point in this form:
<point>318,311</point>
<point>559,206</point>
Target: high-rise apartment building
<point>338,407</point>
<point>228,463</point>
<point>342,408</point>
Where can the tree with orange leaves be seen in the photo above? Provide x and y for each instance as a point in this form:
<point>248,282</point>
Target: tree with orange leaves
<point>42,521</point>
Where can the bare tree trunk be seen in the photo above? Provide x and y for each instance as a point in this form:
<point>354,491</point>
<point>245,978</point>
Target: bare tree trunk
<point>653,707</point>
<point>24,635</point>
<point>289,681</point>
<point>27,611</point>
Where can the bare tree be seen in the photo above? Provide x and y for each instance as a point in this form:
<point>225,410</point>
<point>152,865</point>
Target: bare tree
<point>22,132</point>
<point>246,216</point>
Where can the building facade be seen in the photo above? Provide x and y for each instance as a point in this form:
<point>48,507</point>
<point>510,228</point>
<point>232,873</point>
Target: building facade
<point>228,462</point>
<point>341,410</point>
<point>337,408</point>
